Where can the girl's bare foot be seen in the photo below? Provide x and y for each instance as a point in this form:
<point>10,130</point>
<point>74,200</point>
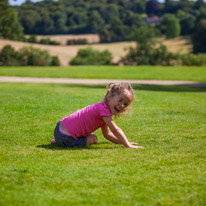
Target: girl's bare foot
<point>53,141</point>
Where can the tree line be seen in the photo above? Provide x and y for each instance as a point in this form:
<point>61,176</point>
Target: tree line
<point>113,20</point>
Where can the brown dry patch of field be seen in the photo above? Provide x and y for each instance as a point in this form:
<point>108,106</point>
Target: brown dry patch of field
<point>178,45</point>
<point>119,49</point>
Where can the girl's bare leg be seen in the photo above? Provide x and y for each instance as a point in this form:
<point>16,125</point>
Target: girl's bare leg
<point>91,139</point>
<point>53,140</point>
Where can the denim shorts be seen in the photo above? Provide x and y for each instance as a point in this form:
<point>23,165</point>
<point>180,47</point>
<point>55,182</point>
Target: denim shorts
<point>68,141</point>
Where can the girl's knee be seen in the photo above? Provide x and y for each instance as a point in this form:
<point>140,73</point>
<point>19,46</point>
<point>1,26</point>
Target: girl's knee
<point>91,139</point>
<point>95,139</point>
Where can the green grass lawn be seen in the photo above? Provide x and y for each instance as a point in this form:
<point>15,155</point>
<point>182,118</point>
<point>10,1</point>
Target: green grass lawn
<point>111,72</point>
<point>168,121</point>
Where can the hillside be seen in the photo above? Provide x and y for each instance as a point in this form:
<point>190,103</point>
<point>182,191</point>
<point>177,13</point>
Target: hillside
<point>118,49</point>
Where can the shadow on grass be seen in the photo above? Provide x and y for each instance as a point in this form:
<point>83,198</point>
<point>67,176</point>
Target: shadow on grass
<point>166,88</point>
<point>56,147</point>
<point>145,87</point>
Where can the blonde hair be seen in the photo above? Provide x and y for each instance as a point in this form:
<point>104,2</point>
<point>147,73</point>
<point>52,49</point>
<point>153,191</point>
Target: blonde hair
<point>114,89</point>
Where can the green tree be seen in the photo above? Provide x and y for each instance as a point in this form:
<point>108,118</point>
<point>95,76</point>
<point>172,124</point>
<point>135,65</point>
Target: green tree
<point>60,19</point>
<point>30,19</point>
<point>27,56</point>
<point>145,39</point>
<point>152,7</point>
<point>199,38</point>
<point>170,26</point>
<point>32,39</point>
<point>133,20</point>
<point>90,56</point>
<point>95,22</point>
<point>10,26</point>
<point>118,30</point>
<point>105,35</point>
<point>188,24</point>
<point>55,61</point>
<point>46,25</point>
<point>3,6</point>
<point>80,17</point>
<point>9,57</point>
<point>138,6</point>
<point>146,51</point>
<point>144,36</point>
<point>199,4</point>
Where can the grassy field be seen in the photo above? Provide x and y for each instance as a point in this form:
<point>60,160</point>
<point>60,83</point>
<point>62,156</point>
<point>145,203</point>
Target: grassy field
<point>168,121</point>
<point>111,72</point>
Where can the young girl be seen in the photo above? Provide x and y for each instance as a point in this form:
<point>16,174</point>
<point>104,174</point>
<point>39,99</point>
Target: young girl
<point>77,128</point>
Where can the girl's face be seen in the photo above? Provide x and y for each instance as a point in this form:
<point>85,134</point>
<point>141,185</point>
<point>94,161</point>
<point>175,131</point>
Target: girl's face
<point>119,103</point>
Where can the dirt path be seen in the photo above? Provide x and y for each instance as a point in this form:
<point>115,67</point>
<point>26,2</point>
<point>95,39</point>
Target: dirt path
<point>99,81</point>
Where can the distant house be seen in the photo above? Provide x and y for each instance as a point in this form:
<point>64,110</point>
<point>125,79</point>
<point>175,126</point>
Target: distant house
<point>152,10</point>
<point>153,19</point>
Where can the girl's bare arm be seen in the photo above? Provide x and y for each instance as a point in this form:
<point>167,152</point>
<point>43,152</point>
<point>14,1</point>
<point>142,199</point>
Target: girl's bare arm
<point>119,134</point>
<point>108,135</point>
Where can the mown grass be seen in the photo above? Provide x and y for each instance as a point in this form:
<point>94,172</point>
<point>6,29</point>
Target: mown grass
<point>168,121</point>
<point>111,72</point>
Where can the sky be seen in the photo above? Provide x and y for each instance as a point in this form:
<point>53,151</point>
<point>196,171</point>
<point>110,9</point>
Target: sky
<point>18,2</point>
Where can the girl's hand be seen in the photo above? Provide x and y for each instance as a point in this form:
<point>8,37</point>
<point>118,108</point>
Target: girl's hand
<point>119,134</point>
<point>133,143</point>
<point>133,146</point>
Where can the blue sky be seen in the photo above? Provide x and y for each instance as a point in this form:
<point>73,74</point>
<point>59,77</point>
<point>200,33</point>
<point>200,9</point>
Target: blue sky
<point>18,2</point>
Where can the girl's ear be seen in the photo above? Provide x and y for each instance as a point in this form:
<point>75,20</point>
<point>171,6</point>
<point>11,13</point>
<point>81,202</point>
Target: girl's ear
<point>108,97</point>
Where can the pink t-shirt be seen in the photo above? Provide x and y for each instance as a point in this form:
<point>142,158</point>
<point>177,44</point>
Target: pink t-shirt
<point>85,121</point>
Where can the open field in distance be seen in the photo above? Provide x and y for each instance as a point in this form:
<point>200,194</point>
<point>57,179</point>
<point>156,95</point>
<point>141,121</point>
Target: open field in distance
<point>66,53</point>
<point>118,49</point>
